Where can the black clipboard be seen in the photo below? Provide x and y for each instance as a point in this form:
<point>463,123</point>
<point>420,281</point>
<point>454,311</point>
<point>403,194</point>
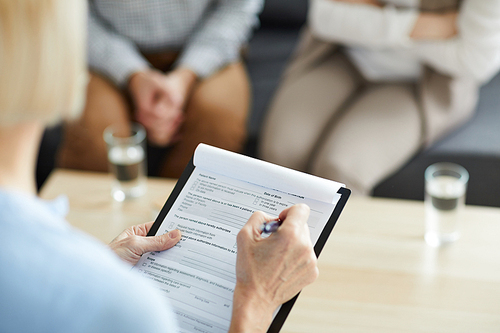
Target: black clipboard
<point>285,309</point>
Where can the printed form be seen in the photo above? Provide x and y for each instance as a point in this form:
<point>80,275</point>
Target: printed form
<point>198,274</point>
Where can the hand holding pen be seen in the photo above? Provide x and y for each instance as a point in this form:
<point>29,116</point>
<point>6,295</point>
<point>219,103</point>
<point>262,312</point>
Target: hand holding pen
<point>271,270</point>
<point>271,226</point>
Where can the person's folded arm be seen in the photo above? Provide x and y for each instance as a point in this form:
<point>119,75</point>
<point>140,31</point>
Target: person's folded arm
<point>219,38</point>
<point>357,23</point>
<point>111,54</point>
<point>475,51</point>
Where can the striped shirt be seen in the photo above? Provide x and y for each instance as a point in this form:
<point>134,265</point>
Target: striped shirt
<point>207,33</point>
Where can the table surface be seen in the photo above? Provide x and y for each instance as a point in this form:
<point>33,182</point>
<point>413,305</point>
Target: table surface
<point>376,272</point>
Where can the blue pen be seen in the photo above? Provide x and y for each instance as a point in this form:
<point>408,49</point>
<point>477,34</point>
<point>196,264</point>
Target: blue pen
<point>271,226</point>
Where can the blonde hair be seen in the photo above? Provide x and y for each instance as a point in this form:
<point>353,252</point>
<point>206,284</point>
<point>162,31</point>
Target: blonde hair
<point>42,60</point>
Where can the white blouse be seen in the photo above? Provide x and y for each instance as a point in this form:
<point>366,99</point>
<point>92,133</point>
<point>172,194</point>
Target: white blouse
<point>378,39</point>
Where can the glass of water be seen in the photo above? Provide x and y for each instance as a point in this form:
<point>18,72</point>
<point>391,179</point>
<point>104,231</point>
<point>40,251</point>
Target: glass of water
<point>445,188</point>
<point>127,159</point>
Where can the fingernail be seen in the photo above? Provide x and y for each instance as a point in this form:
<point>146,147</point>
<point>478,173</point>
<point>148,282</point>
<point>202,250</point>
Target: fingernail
<point>174,233</point>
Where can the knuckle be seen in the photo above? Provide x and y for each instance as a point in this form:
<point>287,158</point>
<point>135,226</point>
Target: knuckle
<point>308,256</point>
<point>314,262</point>
<point>311,269</point>
<point>242,236</point>
<point>314,274</point>
<point>293,231</point>
<point>259,215</point>
<point>160,241</point>
<point>303,209</point>
<point>132,242</point>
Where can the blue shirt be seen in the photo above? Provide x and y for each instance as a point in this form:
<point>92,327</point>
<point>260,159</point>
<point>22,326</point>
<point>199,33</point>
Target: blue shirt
<point>54,278</point>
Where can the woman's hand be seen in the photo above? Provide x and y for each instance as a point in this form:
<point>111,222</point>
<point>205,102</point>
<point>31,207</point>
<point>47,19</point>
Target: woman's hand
<point>270,271</point>
<point>433,26</point>
<point>132,243</point>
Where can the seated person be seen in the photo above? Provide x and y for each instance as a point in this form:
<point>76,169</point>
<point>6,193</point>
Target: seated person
<point>373,82</point>
<point>53,277</point>
<point>173,67</point>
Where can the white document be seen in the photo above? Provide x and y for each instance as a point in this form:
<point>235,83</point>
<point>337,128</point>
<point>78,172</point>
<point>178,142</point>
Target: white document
<point>198,274</point>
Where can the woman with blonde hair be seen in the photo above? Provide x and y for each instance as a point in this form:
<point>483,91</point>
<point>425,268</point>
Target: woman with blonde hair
<point>374,81</point>
<point>56,279</point>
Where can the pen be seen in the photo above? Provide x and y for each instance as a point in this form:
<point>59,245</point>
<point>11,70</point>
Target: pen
<point>271,226</point>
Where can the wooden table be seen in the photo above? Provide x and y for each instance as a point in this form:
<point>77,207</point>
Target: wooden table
<point>93,210</point>
<point>376,272</point>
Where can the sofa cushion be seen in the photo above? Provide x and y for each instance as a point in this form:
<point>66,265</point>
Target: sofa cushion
<point>475,146</point>
<point>284,13</point>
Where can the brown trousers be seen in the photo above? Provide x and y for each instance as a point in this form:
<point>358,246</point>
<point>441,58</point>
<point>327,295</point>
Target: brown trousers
<point>215,114</point>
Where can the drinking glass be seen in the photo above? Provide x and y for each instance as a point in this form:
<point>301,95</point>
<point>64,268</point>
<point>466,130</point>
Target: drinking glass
<point>127,159</point>
<point>445,189</point>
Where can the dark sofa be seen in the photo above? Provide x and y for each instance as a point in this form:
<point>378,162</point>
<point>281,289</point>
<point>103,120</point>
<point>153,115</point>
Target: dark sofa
<point>476,145</point>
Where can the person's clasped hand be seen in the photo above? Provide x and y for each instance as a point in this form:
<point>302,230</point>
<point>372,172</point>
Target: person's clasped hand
<point>159,101</point>
<point>132,243</point>
<point>270,271</point>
